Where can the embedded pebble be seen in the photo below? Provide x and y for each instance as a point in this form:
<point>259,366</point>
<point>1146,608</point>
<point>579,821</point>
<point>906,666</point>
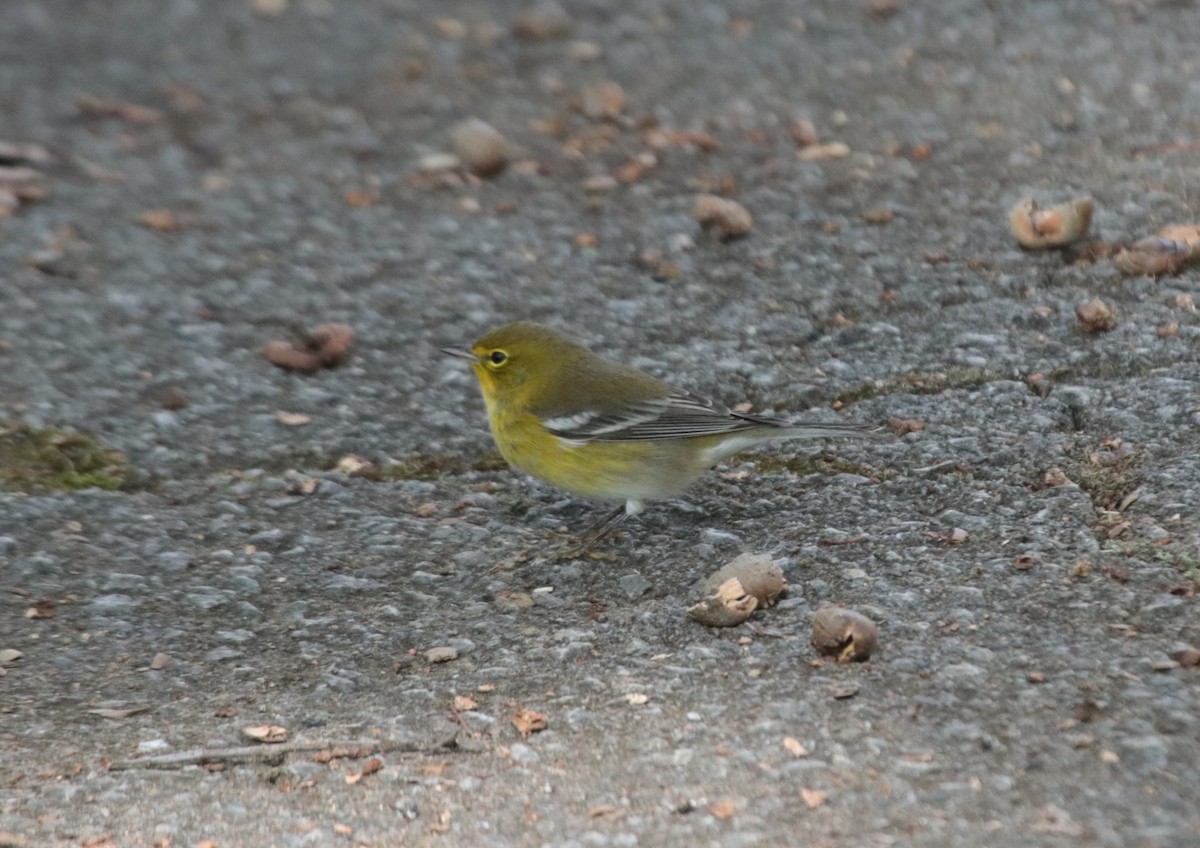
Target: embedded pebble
<point>480,146</point>
<point>634,585</point>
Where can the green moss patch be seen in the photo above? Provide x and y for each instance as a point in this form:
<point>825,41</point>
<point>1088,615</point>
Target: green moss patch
<point>1106,474</point>
<point>439,466</point>
<point>767,463</point>
<point>1177,555</point>
<point>919,383</point>
<point>34,459</point>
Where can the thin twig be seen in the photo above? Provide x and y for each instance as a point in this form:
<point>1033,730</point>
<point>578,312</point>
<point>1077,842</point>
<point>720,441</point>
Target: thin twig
<point>1166,147</point>
<point>273,754</point>
<point>937,467</point>
<point>837,543</point>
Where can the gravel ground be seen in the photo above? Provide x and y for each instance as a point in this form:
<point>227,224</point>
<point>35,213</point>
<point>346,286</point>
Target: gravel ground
<point>1031,685</point>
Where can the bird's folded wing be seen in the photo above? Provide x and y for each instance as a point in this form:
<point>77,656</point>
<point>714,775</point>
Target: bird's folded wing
<point>677,415</point>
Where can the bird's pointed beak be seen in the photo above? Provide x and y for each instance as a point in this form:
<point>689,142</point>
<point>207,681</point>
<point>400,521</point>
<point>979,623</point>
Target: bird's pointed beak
<point>460,353</point>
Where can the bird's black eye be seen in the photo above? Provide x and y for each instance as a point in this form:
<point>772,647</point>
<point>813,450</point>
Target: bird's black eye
<point>497,357</point>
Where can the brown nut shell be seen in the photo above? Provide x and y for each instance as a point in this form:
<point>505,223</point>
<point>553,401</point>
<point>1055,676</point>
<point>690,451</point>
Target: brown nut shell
<point>729,606</point>
<point>843,633</point>
<point>758,574</point>
<point>1035,228</point>
<point>480,146</point>
<point>1154,256</point>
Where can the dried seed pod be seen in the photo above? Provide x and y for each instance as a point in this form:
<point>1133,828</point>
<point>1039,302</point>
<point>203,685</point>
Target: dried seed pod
<point>1095,316</point>
<point>728,219</point>
<point>729,606</point>
<point>1154,256</point>
<point>287,356</point>
<point>480,146</point>
<point>331,342</point>
<point>843,633</point>
<point>757,573</point>
<point>1037,229</point>
<point>327,346</point>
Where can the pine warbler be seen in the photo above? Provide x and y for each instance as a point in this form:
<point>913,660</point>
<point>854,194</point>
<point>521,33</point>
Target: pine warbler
<point>603,430</point>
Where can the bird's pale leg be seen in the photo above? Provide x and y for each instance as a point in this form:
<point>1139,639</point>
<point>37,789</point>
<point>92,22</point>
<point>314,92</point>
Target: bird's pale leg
<point>606,525</point>
<point>603,527</point>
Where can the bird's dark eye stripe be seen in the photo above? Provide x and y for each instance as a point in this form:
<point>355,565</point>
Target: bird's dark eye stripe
<point>498,357</point>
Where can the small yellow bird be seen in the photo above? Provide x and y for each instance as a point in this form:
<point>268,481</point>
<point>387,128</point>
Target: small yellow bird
<point>600,429</point>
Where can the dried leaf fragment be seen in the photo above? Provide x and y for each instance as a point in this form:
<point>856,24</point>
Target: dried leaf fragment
<point>1095,316</point>
<point>842,691</point>
<point>267,733</point>
<point>904,426</point>
<point>16,153</point>
<point>369,767</point>
<point>268,8</point>
<point>729,606</point>
<point>528,722</point>
<point>793,746</point>
<point>360,198</point>
<point>814,798</point>
<point>882,215</point>
<point>1036,229</point>
<point>19,185</point>
<point>441,654</point>
<point>292,419</point>
<point>759,575</point>
<point>1056,820</point>
<point>118,714</point>
<point>843,633</point>
<point>728,219</point>
<point>1167,330</point>
<point>353,465</point>
<point>450,28</point>
<point>41,610</point>
<point>1186,234</point>
<point>1055,477</point>
<point>90,106</point>
<point>1025,562</point>
<point>163,220</point>
<point>953,536</point>
<point>829,150</point>
<point>722,810</point>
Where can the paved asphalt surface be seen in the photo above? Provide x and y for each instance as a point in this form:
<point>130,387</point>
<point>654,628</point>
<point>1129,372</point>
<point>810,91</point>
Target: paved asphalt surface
<point>206,177</point>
